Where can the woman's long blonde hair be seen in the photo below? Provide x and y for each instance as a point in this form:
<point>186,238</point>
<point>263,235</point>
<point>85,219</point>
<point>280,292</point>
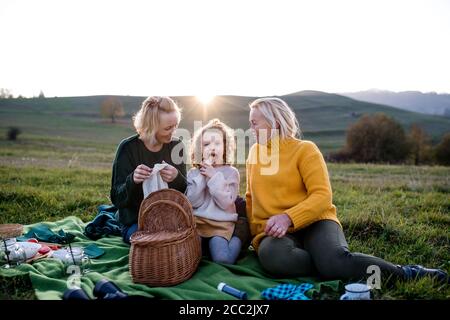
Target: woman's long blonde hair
<point>146,120</point>
<point>278,114</point>
<point>228,142</point>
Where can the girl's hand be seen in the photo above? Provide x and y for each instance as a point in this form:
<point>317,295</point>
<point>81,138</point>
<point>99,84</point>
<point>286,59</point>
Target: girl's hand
<point>278,225</point>
<point>207,170</point>
<point>169,173</point>
<point>209,161</point>
<point>141,173</point>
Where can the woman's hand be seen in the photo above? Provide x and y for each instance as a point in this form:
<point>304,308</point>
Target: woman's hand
<point>141,173</point>
<point>207,170</point>
<point>278,225</point>
<point>169,173</point>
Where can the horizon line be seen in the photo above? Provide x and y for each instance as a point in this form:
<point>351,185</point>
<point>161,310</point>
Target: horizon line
<point>234,95</point>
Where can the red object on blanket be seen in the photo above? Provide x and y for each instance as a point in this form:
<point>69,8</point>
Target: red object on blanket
<point>51,246</point>
<point>44,250</point>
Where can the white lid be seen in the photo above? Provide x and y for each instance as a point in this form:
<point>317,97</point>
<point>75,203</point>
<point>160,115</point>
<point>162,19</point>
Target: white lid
<point>76,251</point>
<point>8,241</point>
<point>221,285</point>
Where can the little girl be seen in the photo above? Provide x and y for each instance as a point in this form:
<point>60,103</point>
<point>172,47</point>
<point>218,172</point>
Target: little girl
<point>212,188</point>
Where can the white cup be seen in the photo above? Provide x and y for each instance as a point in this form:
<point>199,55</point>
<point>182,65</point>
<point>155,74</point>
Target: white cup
<point>356,291</point>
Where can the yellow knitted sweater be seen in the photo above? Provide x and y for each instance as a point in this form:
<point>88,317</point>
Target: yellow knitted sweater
<point>287,176</point>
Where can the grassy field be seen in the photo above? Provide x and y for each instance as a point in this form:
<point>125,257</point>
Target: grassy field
<point>400,213</point>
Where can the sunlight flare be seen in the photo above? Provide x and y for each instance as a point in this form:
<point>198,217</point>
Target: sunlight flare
<point>205,99</point>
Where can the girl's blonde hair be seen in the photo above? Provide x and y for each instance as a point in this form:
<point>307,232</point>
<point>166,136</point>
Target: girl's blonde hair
<point>277,112</point>
<point>228,142</point>
<point>146,120</point>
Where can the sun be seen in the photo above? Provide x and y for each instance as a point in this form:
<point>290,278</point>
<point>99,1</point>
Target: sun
<point>205,99</point>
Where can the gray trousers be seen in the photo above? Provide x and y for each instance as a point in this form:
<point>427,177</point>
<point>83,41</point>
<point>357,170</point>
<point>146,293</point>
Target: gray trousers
<point>320,250</point>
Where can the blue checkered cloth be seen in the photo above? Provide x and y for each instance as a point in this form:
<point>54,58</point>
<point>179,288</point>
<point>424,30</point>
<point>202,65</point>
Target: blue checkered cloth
<point>287,291</point>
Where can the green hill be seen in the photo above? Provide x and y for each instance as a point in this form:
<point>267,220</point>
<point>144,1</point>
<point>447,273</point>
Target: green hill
<point>323,117</point>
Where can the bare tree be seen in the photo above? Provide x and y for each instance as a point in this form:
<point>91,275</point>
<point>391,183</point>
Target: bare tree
<point>5,93</point>
<point>112,108</point>
<point>420,142</point>
<point>443,150</point>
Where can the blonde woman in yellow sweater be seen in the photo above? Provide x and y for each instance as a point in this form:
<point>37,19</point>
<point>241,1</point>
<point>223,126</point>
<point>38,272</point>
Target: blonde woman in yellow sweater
<point>292,218</point>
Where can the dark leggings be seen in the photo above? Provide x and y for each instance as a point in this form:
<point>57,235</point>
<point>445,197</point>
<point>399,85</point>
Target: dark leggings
<point>320,250</point>
<point>127,232</point>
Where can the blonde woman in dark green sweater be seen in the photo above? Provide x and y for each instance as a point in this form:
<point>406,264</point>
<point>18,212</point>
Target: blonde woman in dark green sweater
<point>154,143</point>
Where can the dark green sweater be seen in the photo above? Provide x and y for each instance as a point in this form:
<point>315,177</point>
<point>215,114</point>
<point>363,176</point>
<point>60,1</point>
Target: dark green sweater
<point>131,152</point>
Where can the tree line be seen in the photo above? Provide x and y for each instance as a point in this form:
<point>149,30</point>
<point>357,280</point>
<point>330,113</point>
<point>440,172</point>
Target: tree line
<point>379,138</point>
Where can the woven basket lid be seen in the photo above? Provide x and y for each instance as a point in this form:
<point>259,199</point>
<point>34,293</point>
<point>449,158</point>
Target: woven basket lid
<point>168,194</point>
<point>165,210</point>
<point>11,230</point>
<point>158,239</point>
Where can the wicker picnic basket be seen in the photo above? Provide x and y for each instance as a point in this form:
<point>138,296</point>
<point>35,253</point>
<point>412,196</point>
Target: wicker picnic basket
<point>10,230</point>
<point>166,249</point>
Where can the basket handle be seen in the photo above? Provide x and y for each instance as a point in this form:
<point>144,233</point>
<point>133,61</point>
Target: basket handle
<point>170,202</point>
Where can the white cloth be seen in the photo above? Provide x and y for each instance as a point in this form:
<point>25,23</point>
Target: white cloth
<point>154,182</point>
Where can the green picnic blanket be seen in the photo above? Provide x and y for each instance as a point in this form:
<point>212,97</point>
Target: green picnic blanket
<point>50,279</point>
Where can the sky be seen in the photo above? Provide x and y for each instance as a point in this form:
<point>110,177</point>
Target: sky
<point>238,47</point>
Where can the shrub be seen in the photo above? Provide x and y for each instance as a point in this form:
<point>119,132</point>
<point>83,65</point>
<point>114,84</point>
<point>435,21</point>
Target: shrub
<point>13,132</point>
<point>377,138</point>
<point>341,156</point>
<point>442,151</point>
<point>420,144</point>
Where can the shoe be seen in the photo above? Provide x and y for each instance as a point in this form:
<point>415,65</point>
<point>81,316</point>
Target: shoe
<point>417,271</point>
<point>107,290</point>
<point>75,294</point>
